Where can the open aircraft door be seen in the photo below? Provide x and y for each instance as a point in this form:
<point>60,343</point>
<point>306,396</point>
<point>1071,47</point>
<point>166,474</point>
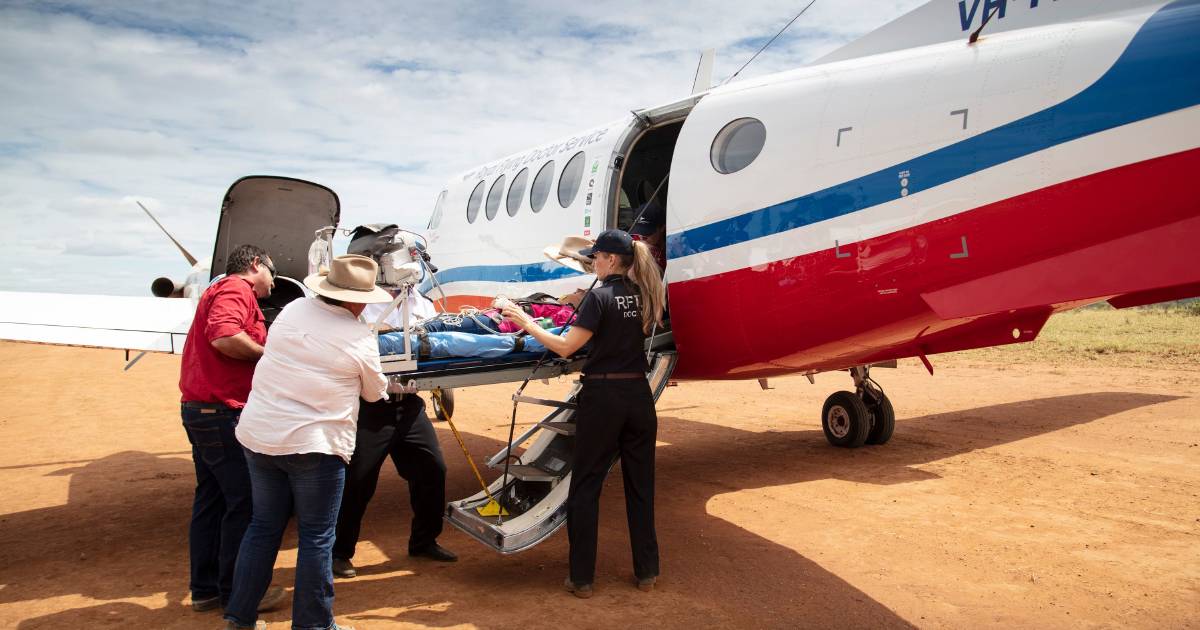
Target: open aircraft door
<point>280,215</point>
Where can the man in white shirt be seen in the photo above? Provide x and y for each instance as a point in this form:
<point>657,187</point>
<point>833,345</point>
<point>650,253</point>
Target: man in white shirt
<point>400,429</point>
<point>298,429</point>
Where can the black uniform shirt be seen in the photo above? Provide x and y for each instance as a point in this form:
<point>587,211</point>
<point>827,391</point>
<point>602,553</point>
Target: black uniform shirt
<point>612,311</point>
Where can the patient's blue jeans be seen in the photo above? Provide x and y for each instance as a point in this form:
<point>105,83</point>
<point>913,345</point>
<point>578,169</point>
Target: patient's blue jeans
<point>459,344</point>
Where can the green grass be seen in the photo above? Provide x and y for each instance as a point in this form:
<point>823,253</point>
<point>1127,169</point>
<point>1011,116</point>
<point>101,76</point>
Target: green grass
<point>1167,336</point>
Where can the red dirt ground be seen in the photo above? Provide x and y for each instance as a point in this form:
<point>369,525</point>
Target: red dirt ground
<point>1030,496</point>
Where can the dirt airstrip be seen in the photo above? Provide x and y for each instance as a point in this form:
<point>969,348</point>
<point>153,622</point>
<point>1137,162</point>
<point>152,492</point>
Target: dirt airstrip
<point>1015,496</point>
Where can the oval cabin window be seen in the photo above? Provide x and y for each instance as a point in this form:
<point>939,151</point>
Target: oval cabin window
<point>516,192</point>
<point>474,202</point>
<point>568,183</point>
<point>540,191</point>
<point>737,145</point>
<point>436,219</point>
<point>494,196</point>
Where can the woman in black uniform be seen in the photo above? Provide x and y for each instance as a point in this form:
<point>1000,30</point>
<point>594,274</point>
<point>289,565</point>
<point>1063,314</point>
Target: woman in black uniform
<point>616,408</point>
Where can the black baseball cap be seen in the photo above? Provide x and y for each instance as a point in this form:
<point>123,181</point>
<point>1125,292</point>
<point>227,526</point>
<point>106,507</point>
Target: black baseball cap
<point>651,216</point>
<point>610,241</point>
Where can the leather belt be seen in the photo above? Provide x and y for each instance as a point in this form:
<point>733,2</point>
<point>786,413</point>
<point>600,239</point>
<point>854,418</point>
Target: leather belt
<point>613,375</point>
<point>206,406</point>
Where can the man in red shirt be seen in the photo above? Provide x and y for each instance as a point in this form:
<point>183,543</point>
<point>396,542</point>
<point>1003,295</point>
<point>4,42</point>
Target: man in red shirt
<point>224,343</point>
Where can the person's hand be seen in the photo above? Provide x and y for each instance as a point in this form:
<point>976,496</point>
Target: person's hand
<point>396,386</point>
<point>516,315</point>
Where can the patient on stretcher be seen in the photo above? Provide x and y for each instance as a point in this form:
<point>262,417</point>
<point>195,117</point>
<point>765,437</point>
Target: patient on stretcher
<point>541,307</point>
<point>482,334</point>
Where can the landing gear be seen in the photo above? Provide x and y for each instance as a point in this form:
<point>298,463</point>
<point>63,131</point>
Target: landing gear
<point>864,416</point>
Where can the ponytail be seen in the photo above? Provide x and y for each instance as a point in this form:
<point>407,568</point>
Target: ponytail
<point>644,272</point>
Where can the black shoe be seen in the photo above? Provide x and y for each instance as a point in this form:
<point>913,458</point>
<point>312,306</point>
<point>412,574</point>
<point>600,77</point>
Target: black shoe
<point>206,604</point>
<point>582,591</point>
<point>434,552</point>
<point>343,568</point>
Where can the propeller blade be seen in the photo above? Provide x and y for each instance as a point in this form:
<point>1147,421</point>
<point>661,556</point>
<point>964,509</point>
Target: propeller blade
<point>190,258</point>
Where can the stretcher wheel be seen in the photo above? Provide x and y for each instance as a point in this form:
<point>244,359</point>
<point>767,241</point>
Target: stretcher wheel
<point>446,412</point>
<point>845,420</point>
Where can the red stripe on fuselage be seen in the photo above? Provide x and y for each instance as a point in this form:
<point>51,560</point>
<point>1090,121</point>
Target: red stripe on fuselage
<point>1133,228</point>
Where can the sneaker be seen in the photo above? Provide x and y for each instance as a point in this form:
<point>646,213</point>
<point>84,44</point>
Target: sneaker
<point>206,604</point>
<point>582,591</point>
<point>646,584</point>
<point>271,599</point>
<point>343,568</point>
<point>435,552</point>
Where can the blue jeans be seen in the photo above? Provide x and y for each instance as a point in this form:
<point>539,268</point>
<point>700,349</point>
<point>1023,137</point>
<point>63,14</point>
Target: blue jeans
<point>442,345</point>
<point>221,505</point>
<point>311,485</point>
<point>474,324</point>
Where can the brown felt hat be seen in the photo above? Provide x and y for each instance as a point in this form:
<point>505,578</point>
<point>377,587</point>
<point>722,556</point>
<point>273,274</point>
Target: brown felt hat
<point>351,278</point>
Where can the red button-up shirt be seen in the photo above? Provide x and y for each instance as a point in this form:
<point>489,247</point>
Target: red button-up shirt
<point>226,309</point>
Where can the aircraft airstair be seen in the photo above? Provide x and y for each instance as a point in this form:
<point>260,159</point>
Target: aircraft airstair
<point>534,493</point>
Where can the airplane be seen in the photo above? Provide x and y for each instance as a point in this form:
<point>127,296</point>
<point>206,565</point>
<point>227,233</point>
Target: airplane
<point>946,182</point>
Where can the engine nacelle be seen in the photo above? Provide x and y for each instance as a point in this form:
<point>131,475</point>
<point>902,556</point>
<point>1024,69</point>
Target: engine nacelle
<point>166,287</point>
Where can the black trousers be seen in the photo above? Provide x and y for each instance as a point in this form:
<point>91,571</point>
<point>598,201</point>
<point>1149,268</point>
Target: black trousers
<point>402,430</point>
<point>616,418</point>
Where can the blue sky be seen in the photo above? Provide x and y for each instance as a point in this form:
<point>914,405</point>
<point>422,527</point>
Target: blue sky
<point>168,103</point>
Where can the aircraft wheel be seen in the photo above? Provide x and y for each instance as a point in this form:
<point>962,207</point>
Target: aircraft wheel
<point>845,420</point>
<point>448,400</point>
<point>883,421</point>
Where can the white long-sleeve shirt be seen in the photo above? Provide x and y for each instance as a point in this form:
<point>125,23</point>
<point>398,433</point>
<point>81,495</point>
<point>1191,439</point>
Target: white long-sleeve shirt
<point>319,359</point>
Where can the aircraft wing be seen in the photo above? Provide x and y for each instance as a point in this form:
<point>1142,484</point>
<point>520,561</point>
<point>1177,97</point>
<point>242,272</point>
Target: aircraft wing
<point>101,321</point>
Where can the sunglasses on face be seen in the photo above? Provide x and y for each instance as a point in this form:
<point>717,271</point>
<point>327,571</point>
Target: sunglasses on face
<point>269,267</point>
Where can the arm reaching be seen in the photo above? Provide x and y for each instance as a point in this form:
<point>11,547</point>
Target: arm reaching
<point>563,346</point>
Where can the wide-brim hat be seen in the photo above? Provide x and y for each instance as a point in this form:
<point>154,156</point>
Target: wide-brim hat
<point>567,254</point>
<point>351,278</point>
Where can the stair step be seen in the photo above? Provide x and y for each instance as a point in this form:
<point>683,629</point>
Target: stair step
<point>561,428</point>
<point>525,472</point>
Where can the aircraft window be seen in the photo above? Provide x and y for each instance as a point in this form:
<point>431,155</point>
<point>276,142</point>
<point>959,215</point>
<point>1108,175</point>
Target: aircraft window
<point>436,219</point>
<point>540,191</point>
<point>737,145</point>
<point>516,192</point>
<point>474,202</point>
<point>494,195</point>
<point>568,182</point>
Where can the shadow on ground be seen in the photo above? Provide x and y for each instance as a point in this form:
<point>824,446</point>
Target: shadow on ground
<point>123,534</point>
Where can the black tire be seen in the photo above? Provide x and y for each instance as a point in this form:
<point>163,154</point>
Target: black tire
<point>845,420</point>
<point>448,400</point>
<point>883,421</point>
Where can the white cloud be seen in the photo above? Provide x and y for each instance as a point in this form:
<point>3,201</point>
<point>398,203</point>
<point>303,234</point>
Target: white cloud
<point>169,103</point>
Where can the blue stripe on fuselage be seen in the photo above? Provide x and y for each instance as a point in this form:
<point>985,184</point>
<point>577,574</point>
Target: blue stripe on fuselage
<point>532,272</point>
<point>1159,72</point>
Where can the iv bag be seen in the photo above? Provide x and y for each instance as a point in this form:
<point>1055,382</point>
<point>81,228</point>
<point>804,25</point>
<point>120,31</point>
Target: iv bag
<point>320,253</point>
